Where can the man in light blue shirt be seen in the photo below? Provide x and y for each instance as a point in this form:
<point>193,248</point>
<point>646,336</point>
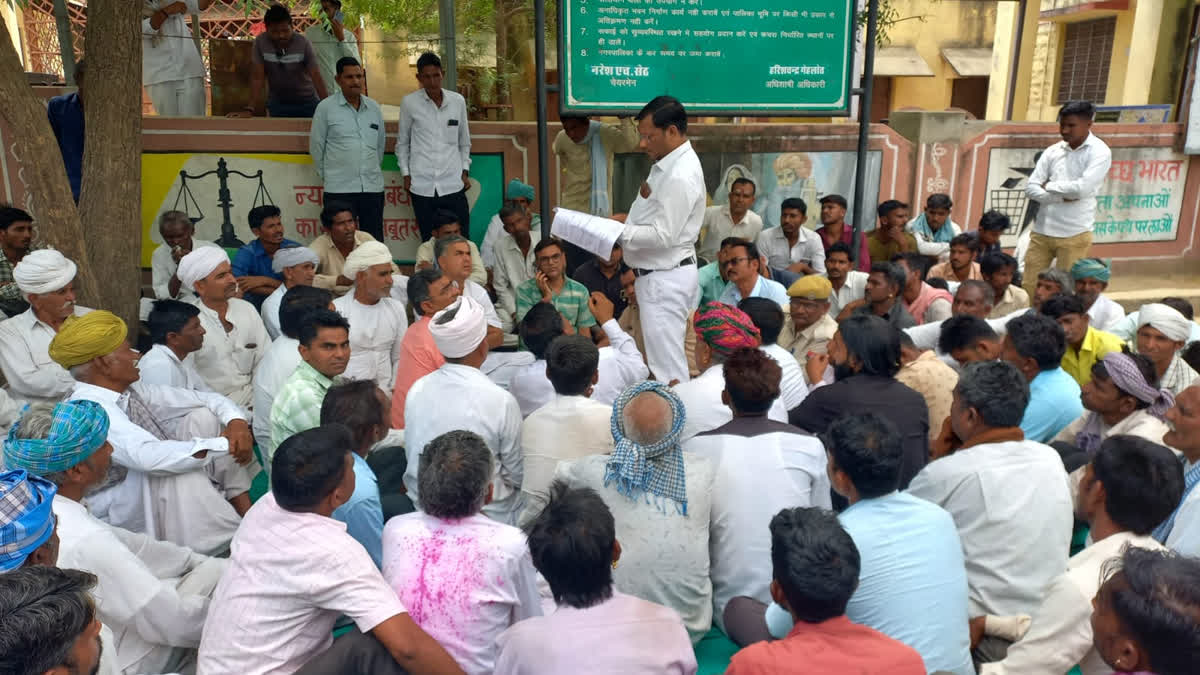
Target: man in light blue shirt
<point>912,584</point>
<point>1035,344</point>
<point>362,407</point>
<point>742,268</point>
<point>346,144</point>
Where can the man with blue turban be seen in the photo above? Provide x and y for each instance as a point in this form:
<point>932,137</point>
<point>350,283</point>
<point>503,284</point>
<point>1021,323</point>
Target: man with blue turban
<point>27,527</point>
<point>518,195</point>
<point>1091,277</point>
<point>154,594</point>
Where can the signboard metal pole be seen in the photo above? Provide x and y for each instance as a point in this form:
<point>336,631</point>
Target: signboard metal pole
<point>539,41</point>
<point>446,44</point>
<point>864,126</point>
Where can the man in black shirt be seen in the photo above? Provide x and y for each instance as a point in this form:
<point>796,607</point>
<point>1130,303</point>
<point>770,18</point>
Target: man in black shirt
<point>604,276</point>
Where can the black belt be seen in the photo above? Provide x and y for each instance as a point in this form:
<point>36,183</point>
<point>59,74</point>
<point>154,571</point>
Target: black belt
<point>639,272</point>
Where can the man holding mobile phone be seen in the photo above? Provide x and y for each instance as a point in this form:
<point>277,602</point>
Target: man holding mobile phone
<point>332,41</point>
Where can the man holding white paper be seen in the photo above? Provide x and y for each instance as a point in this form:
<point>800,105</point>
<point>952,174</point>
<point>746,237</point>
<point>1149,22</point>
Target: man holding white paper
<point>660,233</point>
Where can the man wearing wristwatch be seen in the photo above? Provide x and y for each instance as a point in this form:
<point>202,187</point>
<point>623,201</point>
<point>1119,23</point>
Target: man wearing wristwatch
<point>659,235</point>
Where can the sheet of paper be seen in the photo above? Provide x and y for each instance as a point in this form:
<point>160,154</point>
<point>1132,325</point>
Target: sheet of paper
<point>591,233</point>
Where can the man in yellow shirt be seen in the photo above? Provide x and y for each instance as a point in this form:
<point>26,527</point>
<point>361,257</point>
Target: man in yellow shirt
<point>585,150</point>
<point>1085,345</point>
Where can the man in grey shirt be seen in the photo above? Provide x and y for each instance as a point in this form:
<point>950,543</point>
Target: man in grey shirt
<point>286,62</point>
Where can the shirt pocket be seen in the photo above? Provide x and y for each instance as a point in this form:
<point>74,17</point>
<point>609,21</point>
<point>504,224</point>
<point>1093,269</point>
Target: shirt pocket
<point>343,131</point>
<point>450,131</point>
<point>243,358</point>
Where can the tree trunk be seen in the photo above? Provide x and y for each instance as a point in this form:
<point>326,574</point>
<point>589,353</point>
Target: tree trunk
<point>49,195</point>
<point>110,201</point>
<point>108,249</point>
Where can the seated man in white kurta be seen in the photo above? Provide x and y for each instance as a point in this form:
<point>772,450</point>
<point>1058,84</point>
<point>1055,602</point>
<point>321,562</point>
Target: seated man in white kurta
<point>154,595</point>
<point>235,338</point>
<point>458,396</point>
<point>176,333</point>
<point>169,490</point>
<point>298,265</point>
<point>46,279</point>
<point>377,322</point>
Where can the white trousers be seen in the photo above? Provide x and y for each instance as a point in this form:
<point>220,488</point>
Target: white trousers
<point>159,658</point>
<point>178,98</point>
<point>192,509</point>
<point>665,301</point>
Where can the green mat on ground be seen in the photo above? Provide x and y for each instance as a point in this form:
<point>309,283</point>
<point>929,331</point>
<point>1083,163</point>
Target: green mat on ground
<point>713,652</point>
<point>259,486</point>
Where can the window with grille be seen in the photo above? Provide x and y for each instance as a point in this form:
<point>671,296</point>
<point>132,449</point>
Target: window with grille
<point>1087,51</point>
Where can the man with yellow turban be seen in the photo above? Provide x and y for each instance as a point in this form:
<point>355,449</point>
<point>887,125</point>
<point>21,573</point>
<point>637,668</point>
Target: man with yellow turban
<point>46,279</point>
<point>154,595</point>
<point>175,445</point>
<point>720,330</point>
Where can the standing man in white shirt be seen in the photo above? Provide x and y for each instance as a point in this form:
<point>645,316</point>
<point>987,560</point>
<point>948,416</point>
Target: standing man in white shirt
<point>792,246</point>
<point>346,145</point>
<point>235,338</point>
<point>1064,183</point>
<point>331,40</point>
<point>734,219</point>
<point>660,233</point>
<point>172,70</point>
<point>176,332</point>
<point>433,148</point>
<point>178,235</point>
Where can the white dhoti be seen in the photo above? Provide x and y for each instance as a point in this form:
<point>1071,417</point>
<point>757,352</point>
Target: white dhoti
<point>192,509</point>
<point>666,300</point>
<point>178,98</point>
<point>160,658</point>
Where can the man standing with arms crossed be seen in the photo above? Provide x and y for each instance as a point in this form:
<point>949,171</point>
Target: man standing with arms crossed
<point>660,229</point>
<point>1064,183</point>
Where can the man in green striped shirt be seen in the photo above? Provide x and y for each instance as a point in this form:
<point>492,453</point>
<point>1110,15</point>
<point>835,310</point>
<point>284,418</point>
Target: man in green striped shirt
<point>550,284</point>
<point>325,351</point>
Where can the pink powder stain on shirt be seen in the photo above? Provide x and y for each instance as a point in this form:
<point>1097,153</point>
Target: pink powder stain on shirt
<point>448,574</point>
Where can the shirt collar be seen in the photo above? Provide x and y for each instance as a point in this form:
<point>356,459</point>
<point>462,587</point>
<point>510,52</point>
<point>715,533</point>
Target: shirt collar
<point>99,394</point>
<point>1089,341</point>
<point>170,353</point>
<point>837,624</point>
<point>1090,140</point>
<point>313,375</point>
<point>669,161</point>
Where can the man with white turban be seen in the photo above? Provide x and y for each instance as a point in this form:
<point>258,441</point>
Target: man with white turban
<point>235,338</point>
<point>46,279</point>
<point>1162,332</point>
<point>377,321</point>
<point>298,265</point>
<point>179,453</point>
<point>457,396</point>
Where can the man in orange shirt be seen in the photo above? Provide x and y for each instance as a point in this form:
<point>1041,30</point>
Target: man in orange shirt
<point>429,291</point>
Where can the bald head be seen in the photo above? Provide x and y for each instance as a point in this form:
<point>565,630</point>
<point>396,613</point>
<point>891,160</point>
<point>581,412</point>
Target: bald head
<point>648,418</point>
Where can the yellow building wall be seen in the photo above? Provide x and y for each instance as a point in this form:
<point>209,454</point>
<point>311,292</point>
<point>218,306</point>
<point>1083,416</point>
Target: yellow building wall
<point>969,23</point>
<point>1142,70</point>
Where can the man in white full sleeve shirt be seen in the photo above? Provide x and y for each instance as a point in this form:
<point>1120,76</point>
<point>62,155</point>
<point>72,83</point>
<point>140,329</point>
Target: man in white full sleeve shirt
<point>1064,183</point>
<point>659,236</point>
<point>172,70</point>
<point>458,396</point>
<point>433,148</point>
<point>178,234</point>
<point>189,492</point>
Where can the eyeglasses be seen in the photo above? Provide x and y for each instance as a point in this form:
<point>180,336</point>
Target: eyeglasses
<point>733,261</point>
<point>549,259</point>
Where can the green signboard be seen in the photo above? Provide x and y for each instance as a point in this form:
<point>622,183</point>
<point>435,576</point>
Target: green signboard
<point>719,57</point>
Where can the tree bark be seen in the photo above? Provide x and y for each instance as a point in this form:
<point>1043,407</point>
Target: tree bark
<point>48,196</point>
<point>110,201</point>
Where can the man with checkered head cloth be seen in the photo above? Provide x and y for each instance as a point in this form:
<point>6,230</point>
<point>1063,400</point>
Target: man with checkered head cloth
<point>720,330</point>
<point>176,445</point>
<point>154,594</point>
